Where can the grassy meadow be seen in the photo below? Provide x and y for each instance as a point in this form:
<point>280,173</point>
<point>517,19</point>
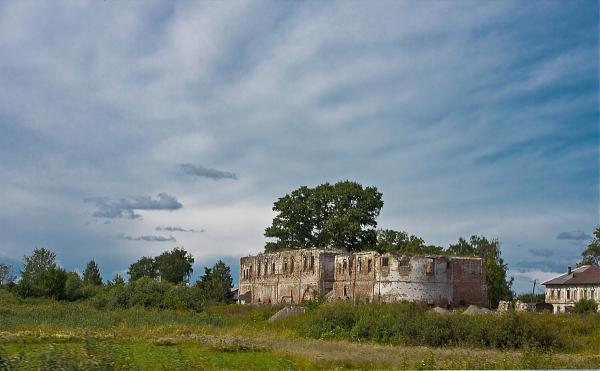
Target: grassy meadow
<point>46,334</point>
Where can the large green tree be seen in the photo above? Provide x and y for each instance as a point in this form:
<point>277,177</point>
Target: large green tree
<point>174,266</point>
<point>41,276</point>
<point>91,275</point>
<point>144,267</point>
<point>216,283</point>
<point>342,215</point>
<point>498,285</point>
<point>591,255</point>
<point>389,240</point>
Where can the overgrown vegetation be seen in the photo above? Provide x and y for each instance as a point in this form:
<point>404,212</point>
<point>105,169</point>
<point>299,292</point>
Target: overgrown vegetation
<point>585,306</point>
<point>49,334</point>
<point>154,283</point>
<point>414,324</point>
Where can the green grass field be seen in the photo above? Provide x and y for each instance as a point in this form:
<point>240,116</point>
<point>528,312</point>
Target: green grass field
<point>57,335</point>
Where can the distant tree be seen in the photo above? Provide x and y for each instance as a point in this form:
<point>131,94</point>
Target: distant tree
<point>7,278</point>
<point>117,280</point>
<point>92,276</point>
<point>145,267</point>
<point>41,276</point>
<point>585,306</point>
<point>73,286</point>
<point>591,255</point>
<point>40,260</point>
<point>389,240</point>
<point>175,266</point>
<point>341,215</point>
<point>216,283</point>
<point>498,285</point>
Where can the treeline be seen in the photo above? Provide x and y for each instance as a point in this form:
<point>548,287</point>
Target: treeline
<point>344,216</point>
<point>160,282</point>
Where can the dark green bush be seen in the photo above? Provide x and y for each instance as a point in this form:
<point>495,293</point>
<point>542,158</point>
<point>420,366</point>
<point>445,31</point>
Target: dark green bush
<point>585,306</point>
<point>412,324</point>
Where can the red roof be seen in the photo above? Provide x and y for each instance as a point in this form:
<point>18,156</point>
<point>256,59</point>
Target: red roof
<point>584,275</point>
<point>590,275</point>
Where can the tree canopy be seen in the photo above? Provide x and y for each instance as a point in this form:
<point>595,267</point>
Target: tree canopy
<point>41,276</point>
<point>144,267</point>
<point>342,215</point>
<point>174,266</point>
<point>389,240</point>
<point>216,283</point>
<point>91,275</point>
<point>591,255</point>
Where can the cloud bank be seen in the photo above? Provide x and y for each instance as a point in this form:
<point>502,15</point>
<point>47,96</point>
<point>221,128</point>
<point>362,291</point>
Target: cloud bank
<point>125,207</point>
<point>179,229</point>
<point>467,116</point>
<point>123,236</point>
<point>573,235</point>
<point>201,171</point>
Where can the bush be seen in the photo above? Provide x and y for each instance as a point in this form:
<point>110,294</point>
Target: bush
<point>585,306</point>
<point>413,324</point>
<point>147,292</point>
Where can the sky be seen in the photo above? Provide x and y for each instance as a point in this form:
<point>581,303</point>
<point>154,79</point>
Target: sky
<point>129,128</point>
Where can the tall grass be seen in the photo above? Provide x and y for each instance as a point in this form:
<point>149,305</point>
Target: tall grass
<point>413,324</point>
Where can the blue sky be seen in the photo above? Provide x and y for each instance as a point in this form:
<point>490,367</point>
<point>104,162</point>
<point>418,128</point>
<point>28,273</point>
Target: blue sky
<point>130,128</point>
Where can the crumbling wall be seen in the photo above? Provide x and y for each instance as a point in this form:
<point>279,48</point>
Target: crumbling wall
<point>364,277</point>
<point>469,284</point>
<point>287,276</point>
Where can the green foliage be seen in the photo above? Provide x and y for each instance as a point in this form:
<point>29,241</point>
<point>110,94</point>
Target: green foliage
<point>413,324</point>
<point>532,298</point>
<point>147,292</point>
<point>591,255</point>
<point>144,267</point>
<point>7,278</point>
<point>216,283</point>
<point>116,281</point>
<point>174,266</point>
<point>499,286</point>
<point>91,275</point>
<point>341,215</point>
<point>41,276</point>
<point>585,306</point>
<point>389,240</point>
<point>73,287</point>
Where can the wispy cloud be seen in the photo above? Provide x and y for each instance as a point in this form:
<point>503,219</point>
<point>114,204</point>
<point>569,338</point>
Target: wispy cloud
<point>179,229</point>
<point>573,235</point>
<point>536,274</point>
<point>126,207</point>
<point>149,238</point>
<point>201,171</point>
<point>542,252</point>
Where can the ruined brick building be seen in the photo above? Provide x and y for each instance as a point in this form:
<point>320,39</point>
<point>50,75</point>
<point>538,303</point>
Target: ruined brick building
<point>369,277</point>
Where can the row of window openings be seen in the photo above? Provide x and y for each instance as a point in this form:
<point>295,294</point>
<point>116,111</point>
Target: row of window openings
<point>307,265</point>
<point>345,266</point>
<point>555,294</point>
<point>385,263</point>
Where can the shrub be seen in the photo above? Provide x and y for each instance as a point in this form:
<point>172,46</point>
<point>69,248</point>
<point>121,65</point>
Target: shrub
<point>585,306</point>
<point>412,324</point>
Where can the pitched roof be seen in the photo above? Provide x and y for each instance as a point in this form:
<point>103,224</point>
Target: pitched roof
<point>586,274</point>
